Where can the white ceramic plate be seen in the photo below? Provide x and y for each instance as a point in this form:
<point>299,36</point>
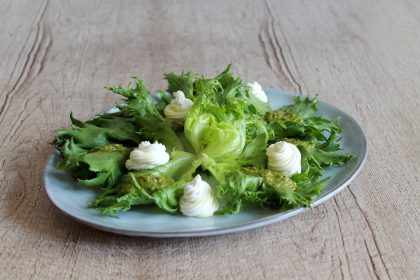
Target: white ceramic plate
<point>150,221</point>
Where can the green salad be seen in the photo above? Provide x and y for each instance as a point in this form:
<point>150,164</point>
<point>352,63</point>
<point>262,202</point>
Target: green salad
<point>202,146</point>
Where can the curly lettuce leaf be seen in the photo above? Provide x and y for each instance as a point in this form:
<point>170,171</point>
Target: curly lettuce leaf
<point>179,164</point>
<point>161,185</point>
<point>281,192</point>
<point>152,125</point>
<point>237,188</point>
<point>285,193</point>
<point>303,107</point>
<point>263,187</point>
<point>128,193</point>
<point>300,121</point>
<point>99,167</point>
<point>168,198</point>
<point>254,153</point>
<point>108,164</point>
<point>182,82</point>
<point>136,189</point>
<point>232,88</point>
<point>317,156</point>
<point>233,187</point>
<point>71,156</point>
<point>229,85</point>
<point>160,100</point>
<point>104,129</point>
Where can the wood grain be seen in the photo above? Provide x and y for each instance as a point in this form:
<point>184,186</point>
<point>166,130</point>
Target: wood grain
<point>362,56</point>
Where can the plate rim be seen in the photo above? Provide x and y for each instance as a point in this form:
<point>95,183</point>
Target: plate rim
<point>260,222</point>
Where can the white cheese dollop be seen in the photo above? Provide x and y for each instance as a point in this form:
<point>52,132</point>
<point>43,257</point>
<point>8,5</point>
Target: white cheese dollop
<point>284,157</point>
<point>147,156</point>
<point>178,107</point>
<point>258,91</point>
<point>198,200</point>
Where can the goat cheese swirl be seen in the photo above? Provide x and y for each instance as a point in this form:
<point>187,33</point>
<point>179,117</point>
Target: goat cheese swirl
<point>147,156</point>
<point>178,107</point>
<point>258,91</point>
<point>284,157</point>
<point>198,200</point>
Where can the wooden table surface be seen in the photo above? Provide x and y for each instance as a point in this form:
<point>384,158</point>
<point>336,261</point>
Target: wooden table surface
<point>361,56</point>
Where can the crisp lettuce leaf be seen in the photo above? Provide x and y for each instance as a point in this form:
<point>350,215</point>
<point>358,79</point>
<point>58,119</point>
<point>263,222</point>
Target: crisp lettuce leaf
<point>127,194</point>
<point>282,192</point>
<point>255,105</point>
<point>107,162</point>
<point>285,193</point>
<point>104,129</point>
<point>100,167</point>
<point>234,187</point>
<point>300,121</point>
<point>182,82</point>
<point>233,89</point>
<point>168,198</point>
<point>179,164</point>
<point>237,188</point>
<point>136,189</point>
<point>303,107</point>
<point>153,126</point>
<point>112,204</point>
<point>254,153</point>
<point>316,156</point>
<point>161,100</point>
<point>161,185</point>
<point>71,156</point>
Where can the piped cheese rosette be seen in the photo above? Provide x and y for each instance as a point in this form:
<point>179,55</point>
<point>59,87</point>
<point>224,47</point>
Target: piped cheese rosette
<point>178,107</point>
<point>198,199</point>
<point>147,156</point>
<point>284,157</point>
<point>258,92</point>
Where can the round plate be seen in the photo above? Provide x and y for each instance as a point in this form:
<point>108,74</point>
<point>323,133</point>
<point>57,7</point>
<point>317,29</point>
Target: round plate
<point>72,199</point>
